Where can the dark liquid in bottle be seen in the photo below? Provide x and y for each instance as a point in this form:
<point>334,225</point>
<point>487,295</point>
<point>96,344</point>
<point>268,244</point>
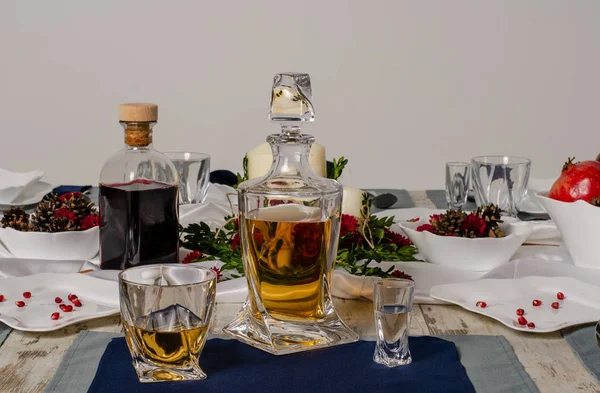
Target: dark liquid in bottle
<point>138,224</point>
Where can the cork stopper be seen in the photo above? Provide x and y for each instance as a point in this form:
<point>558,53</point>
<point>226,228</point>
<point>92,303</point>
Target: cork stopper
<point>138,112</point>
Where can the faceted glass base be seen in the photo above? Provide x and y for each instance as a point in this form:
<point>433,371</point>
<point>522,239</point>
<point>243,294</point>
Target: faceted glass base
<point>148,372</point>
<point>392,359</point>
<point>284,337</point>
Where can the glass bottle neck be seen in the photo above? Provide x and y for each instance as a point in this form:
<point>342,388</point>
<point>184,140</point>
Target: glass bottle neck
<point>138,136</point>
<point>291,151</point>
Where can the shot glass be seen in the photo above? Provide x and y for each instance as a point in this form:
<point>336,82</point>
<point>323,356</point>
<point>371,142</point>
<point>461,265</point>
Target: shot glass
<point>194,174</point>
<point>500,180</point>
<point>166,312</point>
<point>457,184</point>
<point>393,300</point>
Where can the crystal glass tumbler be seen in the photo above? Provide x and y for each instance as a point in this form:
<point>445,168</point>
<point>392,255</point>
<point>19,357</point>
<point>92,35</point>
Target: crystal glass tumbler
<point>500,180</point>
<point>194,174</point>
<point>166,312</point>
<point>393,300</point>
<point>457,184</point>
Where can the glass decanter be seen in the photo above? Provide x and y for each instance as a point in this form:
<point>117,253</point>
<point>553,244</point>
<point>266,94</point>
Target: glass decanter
<point>289,229</point>
<point>138,197</point>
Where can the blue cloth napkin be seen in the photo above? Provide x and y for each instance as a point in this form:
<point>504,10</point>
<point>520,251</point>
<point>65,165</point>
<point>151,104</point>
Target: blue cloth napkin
<point>583,341</point>
<point>232,366</point>
<point>64,189</point>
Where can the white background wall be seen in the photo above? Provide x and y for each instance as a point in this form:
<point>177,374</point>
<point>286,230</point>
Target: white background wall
<point>400,87</point>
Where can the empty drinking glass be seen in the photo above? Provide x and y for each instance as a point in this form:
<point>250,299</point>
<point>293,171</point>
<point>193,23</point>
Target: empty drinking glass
<point>457,184</point>
<point>194,174</point>
<point>500,180</point>
<point>166,312</point>
<point>393,300</point>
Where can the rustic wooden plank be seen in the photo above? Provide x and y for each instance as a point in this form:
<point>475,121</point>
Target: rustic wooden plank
<point>421,199</point>
<point>29,360</point>
<point>547,358</point>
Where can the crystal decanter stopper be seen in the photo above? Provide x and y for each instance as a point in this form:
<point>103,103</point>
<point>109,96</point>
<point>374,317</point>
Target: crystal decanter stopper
<point>289,229</point>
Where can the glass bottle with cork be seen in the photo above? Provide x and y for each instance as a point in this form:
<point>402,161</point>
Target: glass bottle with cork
<point>138,197</point>
<point>289,229</point>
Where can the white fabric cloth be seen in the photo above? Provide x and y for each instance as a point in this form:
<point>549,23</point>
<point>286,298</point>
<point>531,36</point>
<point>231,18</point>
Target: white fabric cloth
<point>15,184</point>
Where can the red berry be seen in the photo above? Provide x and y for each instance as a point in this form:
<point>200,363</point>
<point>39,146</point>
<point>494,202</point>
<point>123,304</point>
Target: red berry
<point>520,311</point>
<point>26,295</point>
<point>481,304</point>
<point>522,321</point>
<point>77,302</point>
<point>67,308</point>
<point>71,296</point>
<point>531,325</point>
<point>57,300</point>
<point>560,296</point>
<point>55,316</point>
<point>537,303</point>
<point>555,305</point>
<point>1,298</point>
<point>62,306</point>
<point>20,303</point>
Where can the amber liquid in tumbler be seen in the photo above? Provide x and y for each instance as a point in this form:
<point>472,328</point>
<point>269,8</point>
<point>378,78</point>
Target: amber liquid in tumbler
<point>138,224</point>
<point>287,262</point>
<point>179,348</point>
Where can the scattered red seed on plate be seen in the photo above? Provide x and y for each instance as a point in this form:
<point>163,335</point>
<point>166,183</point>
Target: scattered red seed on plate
<point>71,296</point>
<point>62,306</point>
<point>1,298</point>
<point>57,300</point>
<point>560,296</point>
<point>531,325</point>
<point>77,302</point>
<point>520,311</point>
<point>537,302</point>
<point>481,304</point>
<point>67,308</point>
<point>522,321</point>
<point>555,305</point>
<point>20,303</point>
<point>55,316</point>
<point>26,295</point>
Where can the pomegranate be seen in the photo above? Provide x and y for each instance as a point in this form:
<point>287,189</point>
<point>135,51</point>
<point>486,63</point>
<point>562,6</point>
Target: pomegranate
<point>578,181</point>
<point>55,316</point>
<point>77,302</point>
<point>531,325</point>
<point>26,295</point>
<point>522,321</point>
<point>536,303</point>
<point>555,305</point>
<point>520,311</point>
<point>560,296</point>
<point>481,304</point>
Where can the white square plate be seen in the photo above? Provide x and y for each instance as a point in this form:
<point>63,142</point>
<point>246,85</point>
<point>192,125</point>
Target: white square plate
<point>100,298</point>
<point>505,296</point>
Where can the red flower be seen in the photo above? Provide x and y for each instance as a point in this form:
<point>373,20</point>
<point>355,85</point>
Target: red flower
<point>235,242</point>
<point>399,274</point>
<point>474,223</point>
<point>349,225</point>
<point>308,239</point>
<point>435,218</point>
<point>192,256</point>
<point>89,221</point>
<point>426,228</point>
<point>397,239</point>
<point>68,195</point>
<point>218,272</point>
<point>65,213</point>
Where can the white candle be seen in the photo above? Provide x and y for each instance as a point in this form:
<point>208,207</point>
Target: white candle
<point>261,158</point>
<point>352,202</point>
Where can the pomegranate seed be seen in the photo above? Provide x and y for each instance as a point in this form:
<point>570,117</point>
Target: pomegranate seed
<point>26,295</point>
<point>62,306</point>
<point>522,321</point>
<point>531,325</point>
<point>77,302</point>
<point>537,303</point>
<point>71,296</point>
<point>1,298</point>
<point>57,300</point>
<point>481,304</point>
<point>55,316</point>
<point>555,305</point>
<point>520,311</point>
<point>560,296</point>
<point>20,303</point>
<point>67,308</point>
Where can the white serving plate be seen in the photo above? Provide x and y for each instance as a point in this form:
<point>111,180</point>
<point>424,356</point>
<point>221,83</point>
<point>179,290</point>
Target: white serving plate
<point>30,196</point>
<point>100,298</point>
<point>505,296</point>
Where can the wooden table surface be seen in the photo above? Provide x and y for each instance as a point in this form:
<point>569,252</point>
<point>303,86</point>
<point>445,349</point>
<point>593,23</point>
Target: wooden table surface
<point>28,360</point>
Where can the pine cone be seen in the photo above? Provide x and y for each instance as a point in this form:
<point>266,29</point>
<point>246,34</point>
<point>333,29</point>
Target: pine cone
<point>44,212</point>
<point>16,218</point>
<point>61,224</point>
<point>491,214</point>
<point>78,203</point>
<point>596,201</point>
<point>449,223</point>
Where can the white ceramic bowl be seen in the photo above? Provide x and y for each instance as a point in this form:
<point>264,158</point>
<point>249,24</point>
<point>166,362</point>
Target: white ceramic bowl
<point>480,254</point>
<point>80,245</point>
<point>579,225</point>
